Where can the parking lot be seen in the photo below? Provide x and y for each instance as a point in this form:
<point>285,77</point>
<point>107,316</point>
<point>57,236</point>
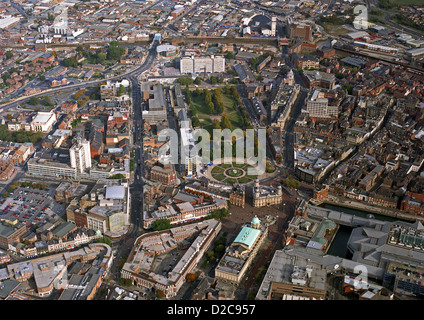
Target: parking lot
<point>31,206</point>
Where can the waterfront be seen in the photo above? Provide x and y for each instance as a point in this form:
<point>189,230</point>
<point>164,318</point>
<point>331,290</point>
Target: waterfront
<point>359,213</point>
<point>339,245</point>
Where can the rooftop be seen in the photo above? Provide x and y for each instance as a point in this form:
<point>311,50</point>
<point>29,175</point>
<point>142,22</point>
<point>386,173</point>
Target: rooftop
<point>115,192</point>
<point>247,236</point>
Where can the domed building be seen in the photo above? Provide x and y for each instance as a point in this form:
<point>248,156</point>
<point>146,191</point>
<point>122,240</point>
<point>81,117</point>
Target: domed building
<point>239,255</point>
<point>255,223</point>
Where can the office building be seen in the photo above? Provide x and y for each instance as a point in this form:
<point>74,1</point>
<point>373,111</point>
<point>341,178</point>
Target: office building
<point>10,232</point>
<point>105,208</point>
<point>293,277</point>
<point>317,106</point>
<point>153,96</point>
<point>202,64</point>
<point>188,158</point>
<point>300,30</point>
<point>315,78</point>
<point>80,155</point>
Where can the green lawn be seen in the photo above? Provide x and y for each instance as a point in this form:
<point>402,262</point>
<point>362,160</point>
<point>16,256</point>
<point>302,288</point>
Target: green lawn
<point>219,176</point>
<point>230,177</point>
<point>217,170</point>
<point>244,180</point>
<point>230,181</point>
<point>201,112</point>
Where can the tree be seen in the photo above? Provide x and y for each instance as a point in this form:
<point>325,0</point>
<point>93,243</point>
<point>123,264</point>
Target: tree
<point>70,62</point>
<point>33,101</point>
<point>291,182</point>
<point>197,92</point>
<point>191,277</point>
<point>185,81</point>
<point>215,124</point>
<point>348,88</point>
<point>121,90</point>
<point>78,94</point>
<point>115,51</point>
<point>117,176</point>
<point>197,80</point>
<point>213,80</point>
<point>5,76</point>
<point>187,93</point>
<point>234,93</point>
<point>229,55</point>
<point>101,57</point>
<point>47,102</point>
<point>225,122</point>
<point>161,224</point>
<point>160,294</point>
<point>210,256</point>
<point>195,122</point>
<point>219,108</point>
<point>104,240</point>
<point>269,168</point>
<point>9,55</point>
<point>207,96</point>
<point>219,248</point>
<point>211,107</point>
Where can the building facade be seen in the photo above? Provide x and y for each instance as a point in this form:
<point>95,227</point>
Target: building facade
<point>138,267</point>
<point>266,196</point>
<point>202,64</point>
<point>239,255</point>
<point>80,155</point>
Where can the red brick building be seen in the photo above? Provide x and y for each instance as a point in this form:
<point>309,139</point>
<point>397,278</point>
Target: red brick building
<point>166,174</point>
<point>6,169</point>
<point>69,107</point>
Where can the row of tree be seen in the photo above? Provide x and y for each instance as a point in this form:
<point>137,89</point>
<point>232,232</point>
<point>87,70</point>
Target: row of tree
<point>45,101</point>
<point>114,53</point>
<point>19,136</point>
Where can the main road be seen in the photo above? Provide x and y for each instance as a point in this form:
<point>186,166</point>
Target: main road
<point>124,246</point>
<point>137,143</point>
<point>137,185</point>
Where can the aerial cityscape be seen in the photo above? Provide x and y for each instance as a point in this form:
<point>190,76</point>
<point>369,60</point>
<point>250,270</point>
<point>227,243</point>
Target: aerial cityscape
<point>215,150</point>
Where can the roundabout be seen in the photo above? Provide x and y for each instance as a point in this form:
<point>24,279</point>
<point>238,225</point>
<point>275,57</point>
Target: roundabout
<point>233,173</point>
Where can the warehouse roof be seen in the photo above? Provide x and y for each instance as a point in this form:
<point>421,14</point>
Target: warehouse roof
<point>115,192</point>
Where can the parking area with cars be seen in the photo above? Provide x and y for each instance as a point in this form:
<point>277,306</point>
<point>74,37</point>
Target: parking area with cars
<point>31,206</point>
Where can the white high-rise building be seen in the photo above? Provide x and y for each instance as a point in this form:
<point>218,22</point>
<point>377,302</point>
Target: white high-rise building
<point>200,64</point>
<point>80,155</point>
<point>273,26</point>
<point>317,106</point>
